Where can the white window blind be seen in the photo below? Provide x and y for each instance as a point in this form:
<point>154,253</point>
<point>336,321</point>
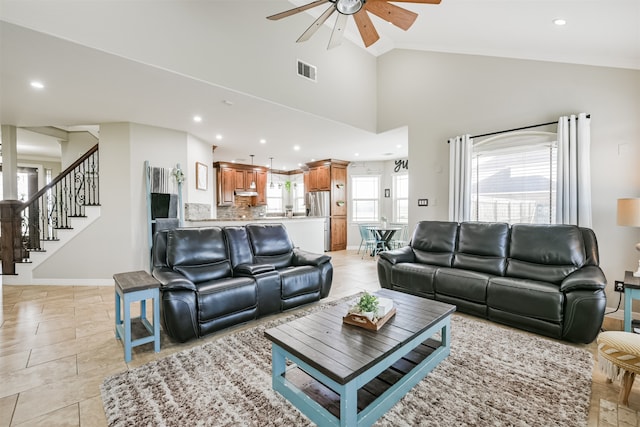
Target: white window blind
<point>401,198</point>
<point>365,195</point>
<point>513,179</point>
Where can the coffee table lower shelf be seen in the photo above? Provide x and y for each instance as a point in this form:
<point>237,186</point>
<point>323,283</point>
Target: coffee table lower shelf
<point>368,396</point>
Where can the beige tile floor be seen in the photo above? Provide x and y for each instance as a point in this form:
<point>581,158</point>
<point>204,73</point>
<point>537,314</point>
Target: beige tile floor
<point>57,346</point>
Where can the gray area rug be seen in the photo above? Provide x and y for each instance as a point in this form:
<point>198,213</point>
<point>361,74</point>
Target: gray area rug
<point>493,377</point>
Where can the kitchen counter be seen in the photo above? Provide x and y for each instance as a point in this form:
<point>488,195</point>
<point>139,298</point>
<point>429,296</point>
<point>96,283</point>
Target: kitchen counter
<point>306,232</point>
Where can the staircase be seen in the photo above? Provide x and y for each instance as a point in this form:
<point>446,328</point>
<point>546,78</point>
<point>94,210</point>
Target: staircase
<point>25,269</point>
<point>50,219</point>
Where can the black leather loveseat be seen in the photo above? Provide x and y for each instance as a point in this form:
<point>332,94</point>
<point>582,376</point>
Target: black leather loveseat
<point>216,277</point>
<point>541,278</point>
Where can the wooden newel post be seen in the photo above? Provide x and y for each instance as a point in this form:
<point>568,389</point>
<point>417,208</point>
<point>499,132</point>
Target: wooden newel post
<point>10,235</point>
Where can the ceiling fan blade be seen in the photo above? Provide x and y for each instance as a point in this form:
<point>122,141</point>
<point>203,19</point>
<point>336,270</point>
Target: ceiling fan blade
<point>338,31</point>
<point>365,26</point>
<point>417,1</point>
<point>296,10</point>
<point>398,16</point>
<point>316,24</point>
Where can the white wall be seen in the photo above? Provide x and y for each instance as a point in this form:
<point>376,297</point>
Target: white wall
<point>78,144</point>
<point>198,151</point>
<point>443,95</point>
<point>227,43</point>
<point>117,241</point>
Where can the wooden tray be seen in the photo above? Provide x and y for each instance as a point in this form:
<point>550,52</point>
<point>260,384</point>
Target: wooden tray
<point>364,322</point>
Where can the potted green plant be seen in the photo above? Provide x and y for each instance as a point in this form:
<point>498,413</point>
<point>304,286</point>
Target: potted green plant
<point>368,305</point>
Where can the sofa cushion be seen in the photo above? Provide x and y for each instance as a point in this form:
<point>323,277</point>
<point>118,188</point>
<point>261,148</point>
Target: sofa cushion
<point>270,244</point>
<point>239,249</point>
<point>414,278</point>
<point>464,284</point>
<point>483,246</point>
<point>529,298</point>
<point>547,253</point>
<point>217,298</point>
<point>434,242</point>
<point>200,254</point>
<point>299,280</point>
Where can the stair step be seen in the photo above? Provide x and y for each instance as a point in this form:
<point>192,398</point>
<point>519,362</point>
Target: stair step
<point>63,228</point>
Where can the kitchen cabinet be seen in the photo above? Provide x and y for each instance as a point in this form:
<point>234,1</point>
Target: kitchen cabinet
<point>226,186</point>
<point>331,175</point>
<point>261,188</point>
<point>233,177</point>
<point>338,233</point>
<point>338,190</point>
<point>320,178</point>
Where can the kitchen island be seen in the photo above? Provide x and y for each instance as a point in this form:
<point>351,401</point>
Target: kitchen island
<point>306,232</point>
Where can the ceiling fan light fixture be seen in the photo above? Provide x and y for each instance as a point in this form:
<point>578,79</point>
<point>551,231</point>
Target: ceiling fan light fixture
<point>349,7</point>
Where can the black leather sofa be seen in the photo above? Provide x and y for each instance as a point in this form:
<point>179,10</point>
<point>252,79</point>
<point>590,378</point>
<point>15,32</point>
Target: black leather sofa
<point>215,277</point>
<point>540,278</point>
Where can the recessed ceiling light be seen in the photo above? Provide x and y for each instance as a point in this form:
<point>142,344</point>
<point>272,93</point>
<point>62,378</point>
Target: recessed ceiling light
<point>296,147</point>
<point>299,164</point>
<point>37,84</point>
<point>399,146</point>
<point>560,22</point>
<point>263,141</point>
<point>313,160</point>
<point>197,119</point>
<point>356,154</point>
<point>218,137</point>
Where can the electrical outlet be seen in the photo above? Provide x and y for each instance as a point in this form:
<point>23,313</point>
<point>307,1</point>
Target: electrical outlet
<point>618,286</point>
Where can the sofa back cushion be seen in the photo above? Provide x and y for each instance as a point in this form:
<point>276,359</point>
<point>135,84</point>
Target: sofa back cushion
<point>548,253</point>
<point>483,247</point>
<point>159,249</point>
<point>434,242</point>
<point>239,248</point>
<point>270,244</point>
<point>590,247</point>
<point>199,254</point>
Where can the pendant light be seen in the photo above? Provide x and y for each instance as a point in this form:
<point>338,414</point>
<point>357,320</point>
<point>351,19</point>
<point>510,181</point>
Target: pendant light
<point>253,183</point>
<point>271,172</point>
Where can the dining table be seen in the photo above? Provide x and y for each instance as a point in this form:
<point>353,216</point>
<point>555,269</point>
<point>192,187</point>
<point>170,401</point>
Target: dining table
<point>384,235</point>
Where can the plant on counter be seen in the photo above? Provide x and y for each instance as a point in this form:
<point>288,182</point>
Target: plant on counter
<point>287,186</point>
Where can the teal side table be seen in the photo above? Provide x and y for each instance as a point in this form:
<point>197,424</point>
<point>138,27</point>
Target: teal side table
<point>131,287</point>
<point>631,292</point>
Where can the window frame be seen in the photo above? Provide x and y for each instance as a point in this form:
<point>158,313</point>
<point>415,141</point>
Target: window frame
<point>375,200</point>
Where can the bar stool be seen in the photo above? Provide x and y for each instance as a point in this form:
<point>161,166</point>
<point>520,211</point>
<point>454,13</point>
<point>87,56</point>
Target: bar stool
<point>131,287</point>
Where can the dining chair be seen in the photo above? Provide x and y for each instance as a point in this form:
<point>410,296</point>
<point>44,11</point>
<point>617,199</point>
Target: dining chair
<point>401,237</point>
<point>368,239</point>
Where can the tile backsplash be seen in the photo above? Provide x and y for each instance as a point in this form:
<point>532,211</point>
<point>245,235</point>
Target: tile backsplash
<point>241,208</point>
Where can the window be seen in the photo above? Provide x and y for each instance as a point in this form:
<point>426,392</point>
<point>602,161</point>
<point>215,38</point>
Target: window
<point>298,197</point>
<point>274,199</point>
<point>513,178</point>
<point>401,198</point>
<point>365,195</point>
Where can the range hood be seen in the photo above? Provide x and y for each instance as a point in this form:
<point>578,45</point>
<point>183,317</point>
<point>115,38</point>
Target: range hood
<point>246,193</point>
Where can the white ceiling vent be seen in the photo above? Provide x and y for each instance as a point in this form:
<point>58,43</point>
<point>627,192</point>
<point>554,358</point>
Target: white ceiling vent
<point>307,71</point>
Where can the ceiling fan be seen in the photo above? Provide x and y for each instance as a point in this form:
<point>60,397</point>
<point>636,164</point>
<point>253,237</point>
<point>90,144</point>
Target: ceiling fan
<point>401,18</point>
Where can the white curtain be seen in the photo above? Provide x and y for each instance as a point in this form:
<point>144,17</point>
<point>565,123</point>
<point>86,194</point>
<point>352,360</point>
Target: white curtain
<point>460,178</point>
<point>573,185</point>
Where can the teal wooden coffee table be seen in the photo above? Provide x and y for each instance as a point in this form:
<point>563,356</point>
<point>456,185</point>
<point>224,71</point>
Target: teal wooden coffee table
<point>343,375</point>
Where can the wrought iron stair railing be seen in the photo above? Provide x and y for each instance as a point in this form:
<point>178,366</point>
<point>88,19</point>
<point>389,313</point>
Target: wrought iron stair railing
<point>66,196</point>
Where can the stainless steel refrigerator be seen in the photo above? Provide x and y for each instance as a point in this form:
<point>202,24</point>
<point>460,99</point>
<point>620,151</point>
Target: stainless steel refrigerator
<point>319,204</point>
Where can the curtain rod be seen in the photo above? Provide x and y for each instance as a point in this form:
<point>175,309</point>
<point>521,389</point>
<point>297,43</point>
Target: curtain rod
<point>521,128</point>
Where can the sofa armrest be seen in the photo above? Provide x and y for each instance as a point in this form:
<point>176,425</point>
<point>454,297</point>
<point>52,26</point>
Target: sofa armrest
<point>587,278</point>
<point>404,254</point>
<point>172,280</point>
<point>302,257</point>
<point>252,269</point>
